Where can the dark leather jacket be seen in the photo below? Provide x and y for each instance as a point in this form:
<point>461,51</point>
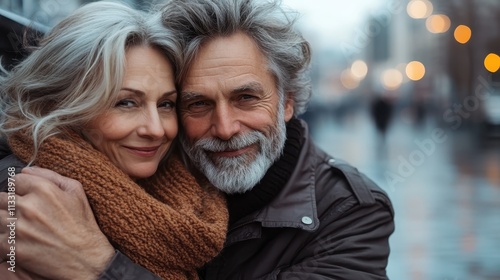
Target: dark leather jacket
<point>329,222</point>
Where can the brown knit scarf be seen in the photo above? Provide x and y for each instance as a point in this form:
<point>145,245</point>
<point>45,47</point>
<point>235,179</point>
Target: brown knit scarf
<point>168,223</point>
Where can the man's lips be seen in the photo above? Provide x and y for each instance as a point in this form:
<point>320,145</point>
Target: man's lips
<point>143,151</point>
<point>232,153</point>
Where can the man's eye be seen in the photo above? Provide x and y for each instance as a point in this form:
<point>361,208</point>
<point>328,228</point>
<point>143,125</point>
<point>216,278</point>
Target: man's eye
<point>127,103</point>
<point>197,106</point>
<point>247,97</point>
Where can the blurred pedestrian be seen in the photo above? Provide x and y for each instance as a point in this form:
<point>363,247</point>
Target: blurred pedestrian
<point>381,110</point>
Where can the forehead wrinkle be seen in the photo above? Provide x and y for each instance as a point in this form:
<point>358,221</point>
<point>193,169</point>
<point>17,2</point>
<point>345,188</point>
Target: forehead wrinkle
<point>218,69</point>
<point>231,80</point>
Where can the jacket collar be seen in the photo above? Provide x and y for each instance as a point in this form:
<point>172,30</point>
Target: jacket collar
<point>295,205</point>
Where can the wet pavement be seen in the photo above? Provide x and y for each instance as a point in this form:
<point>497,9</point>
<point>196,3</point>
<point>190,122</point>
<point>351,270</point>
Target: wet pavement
<point>445,187</point>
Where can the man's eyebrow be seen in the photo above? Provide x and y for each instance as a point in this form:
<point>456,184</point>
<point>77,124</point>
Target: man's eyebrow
<point>189,95</point>
<point>250,87</point>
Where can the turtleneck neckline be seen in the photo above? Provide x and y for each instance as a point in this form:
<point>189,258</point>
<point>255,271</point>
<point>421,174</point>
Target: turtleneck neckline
<point>275,178</point>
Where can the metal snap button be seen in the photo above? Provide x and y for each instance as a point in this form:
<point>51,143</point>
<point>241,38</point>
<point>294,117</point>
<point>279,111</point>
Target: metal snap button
<point>306,220</point>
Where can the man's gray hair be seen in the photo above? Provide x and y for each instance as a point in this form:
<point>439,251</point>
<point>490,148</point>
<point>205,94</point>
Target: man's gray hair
<point>270,26</point>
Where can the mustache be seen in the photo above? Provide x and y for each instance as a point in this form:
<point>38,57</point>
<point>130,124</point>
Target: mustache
<point>235,143</point>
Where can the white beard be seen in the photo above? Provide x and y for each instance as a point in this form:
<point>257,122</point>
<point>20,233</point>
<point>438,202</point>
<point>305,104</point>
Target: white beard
<point>241,173</point>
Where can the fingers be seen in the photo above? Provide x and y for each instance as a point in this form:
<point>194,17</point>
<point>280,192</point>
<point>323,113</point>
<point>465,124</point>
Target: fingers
<point>64,183</point>
<point>7,208</point>
<point>7,255</point>
<point>24,184</point>
<point>4,232</point>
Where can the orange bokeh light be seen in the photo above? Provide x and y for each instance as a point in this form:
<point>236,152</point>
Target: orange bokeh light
<point>462,34</point>
<point>438,23</point>
<point>492,62</point>
<point>415,70</point>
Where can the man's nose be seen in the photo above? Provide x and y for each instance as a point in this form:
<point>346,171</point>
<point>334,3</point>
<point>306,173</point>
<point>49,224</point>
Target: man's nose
<point>225,122</point>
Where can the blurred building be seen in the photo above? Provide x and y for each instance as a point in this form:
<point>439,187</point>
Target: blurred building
<point>454,79</point>
<point>49,12</point>
<point>23,21</point>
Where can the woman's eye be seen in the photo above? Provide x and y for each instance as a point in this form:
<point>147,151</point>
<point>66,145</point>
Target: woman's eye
<point>167,104</point>
<point>127,103</point>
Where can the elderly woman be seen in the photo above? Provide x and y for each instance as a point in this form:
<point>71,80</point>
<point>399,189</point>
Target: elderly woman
<point>96,102</point>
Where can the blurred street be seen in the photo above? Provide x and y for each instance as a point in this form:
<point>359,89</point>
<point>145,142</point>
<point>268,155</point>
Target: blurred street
<point>446,195</point>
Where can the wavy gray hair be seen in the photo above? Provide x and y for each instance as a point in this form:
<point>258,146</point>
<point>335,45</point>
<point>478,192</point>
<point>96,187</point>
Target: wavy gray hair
<point>76,72</point>
<point>272,28</point>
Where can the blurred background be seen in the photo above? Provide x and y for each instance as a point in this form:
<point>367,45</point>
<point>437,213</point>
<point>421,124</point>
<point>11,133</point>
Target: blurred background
<point>408,91</point>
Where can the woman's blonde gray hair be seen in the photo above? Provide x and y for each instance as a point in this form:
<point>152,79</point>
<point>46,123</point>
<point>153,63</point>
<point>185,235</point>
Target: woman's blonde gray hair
<point>77,70</point>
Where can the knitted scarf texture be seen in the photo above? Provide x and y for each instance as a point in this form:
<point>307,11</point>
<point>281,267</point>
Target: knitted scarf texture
<point>167,223</point>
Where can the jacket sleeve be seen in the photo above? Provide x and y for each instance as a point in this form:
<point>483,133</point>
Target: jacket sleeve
<point>350,244</point>
<point>122,268</point>
<point>8,166</point>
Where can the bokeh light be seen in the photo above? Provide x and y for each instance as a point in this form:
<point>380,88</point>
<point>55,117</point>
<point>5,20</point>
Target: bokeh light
<point>492,62</point>
<point>359,69</point>
<point>419,9</point>
<point>392,79</point>
<point>415,70</point>
<point>348,80</point>
<point>438,23</point>
<point>462,34</point>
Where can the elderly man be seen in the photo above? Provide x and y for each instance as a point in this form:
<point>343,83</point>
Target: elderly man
<point>295,212</point>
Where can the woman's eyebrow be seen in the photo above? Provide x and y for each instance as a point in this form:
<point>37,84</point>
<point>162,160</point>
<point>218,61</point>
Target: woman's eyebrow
<point>141,93</point>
